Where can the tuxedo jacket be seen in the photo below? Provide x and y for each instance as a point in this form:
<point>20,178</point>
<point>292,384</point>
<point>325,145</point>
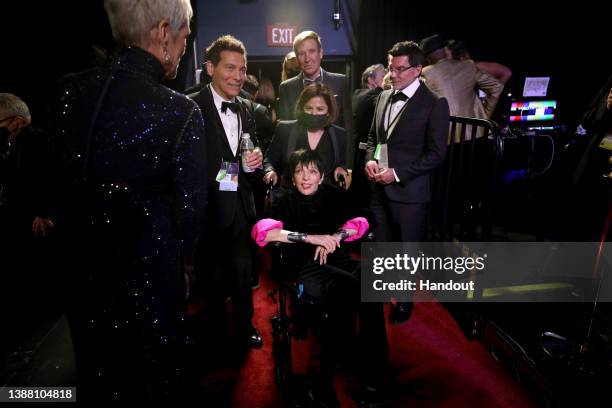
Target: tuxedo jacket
<point>222,204</point>
<point>416,145</point>
<point>364,102</point>
<point>289,93</point>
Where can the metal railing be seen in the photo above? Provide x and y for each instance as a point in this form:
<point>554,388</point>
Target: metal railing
<point>465,186</point>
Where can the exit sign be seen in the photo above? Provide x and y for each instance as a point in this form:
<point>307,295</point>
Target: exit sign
<point>281,35</point>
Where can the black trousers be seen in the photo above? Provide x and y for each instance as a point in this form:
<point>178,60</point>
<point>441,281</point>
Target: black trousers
<point>224,263</point>
<point>335,287</point>
<point>398,222</point>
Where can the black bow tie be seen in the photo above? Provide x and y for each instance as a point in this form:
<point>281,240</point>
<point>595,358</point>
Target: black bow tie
<point>308,81</point>
<point>233,106</point>
<point>399,96</point>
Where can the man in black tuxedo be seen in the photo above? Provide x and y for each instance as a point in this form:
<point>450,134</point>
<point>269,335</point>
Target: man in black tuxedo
<point>224,255</point>
<point>309,52</point>
<point>411,124</point>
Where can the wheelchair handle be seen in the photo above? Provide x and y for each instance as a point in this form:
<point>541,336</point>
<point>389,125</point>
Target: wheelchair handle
<point>341,180</point>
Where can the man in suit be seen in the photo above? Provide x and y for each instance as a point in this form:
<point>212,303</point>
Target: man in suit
<point>459,82</point>
<point>225,250</point>
<point>309,52</point>
<point>364,102</point>
<point>411,124</point>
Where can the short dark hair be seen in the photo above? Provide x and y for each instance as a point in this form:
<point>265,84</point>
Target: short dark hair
<point>457,48</point>
<point>305,157</point>
<point>324,92</point>
<point>251,85</point>
<point>410,49</point>
<point>224,43</point>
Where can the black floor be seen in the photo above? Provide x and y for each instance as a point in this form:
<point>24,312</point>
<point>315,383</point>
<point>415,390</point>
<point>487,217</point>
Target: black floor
<point>45,359</point>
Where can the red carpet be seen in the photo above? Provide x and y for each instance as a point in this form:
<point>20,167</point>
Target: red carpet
<point>434,365</point>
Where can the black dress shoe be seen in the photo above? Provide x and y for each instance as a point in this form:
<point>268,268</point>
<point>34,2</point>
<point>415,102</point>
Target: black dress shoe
<point>254,340</point>
<point>400,312</point>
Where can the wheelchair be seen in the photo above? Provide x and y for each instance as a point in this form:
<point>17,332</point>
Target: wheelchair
<point>296,313</point>
<point>289,322</point>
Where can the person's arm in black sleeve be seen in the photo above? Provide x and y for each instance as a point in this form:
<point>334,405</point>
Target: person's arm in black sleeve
<point>435,145</point>
<point>273,159</point>
<point>372,139</point>
<point>284,110</point>
<point>349,126</point>
<point>190,182</point>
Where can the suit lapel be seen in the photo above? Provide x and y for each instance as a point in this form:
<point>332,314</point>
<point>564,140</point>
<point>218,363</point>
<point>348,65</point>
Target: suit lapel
<point>213,113</point>
<point>299,86</point>
<point>380,120</point>
<point>412,105</point>
<point>326,79</point>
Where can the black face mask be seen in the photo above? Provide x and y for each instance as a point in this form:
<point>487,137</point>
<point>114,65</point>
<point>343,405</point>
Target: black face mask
<point>312,122</point>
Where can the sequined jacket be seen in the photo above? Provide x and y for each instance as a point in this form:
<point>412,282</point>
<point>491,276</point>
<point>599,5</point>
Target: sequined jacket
<point>133,182</point>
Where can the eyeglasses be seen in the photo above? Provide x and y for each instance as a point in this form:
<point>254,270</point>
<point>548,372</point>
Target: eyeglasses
<point>398,70</point>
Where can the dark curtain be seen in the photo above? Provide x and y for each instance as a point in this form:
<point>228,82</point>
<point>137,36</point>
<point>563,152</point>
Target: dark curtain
<point>381,24</point>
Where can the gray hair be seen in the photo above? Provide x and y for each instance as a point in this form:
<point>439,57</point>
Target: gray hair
<point>11,105</point>
<point>369,73</point>
<point>132,20</point>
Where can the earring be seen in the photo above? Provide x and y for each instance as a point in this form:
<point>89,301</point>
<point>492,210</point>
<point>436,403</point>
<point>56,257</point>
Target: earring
<point>166,56</point>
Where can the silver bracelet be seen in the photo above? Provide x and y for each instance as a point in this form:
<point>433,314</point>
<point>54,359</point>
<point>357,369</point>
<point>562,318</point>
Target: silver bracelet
<point>297,237</point>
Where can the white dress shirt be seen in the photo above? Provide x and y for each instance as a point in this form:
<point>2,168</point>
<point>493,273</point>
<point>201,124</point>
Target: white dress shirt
<point>229,120</point>
<point>396,108</point>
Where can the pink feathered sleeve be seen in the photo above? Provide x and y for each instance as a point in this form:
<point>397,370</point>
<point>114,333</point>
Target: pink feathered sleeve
<point>261,228</point>
<point>358,223</point>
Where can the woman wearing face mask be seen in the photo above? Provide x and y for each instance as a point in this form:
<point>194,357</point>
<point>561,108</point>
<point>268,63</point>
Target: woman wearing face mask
<point>313,130</point>
<point>316,219</point>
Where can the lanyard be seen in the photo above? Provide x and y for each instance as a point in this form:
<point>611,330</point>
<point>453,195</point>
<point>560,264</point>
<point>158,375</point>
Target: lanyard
<point>390,123</point>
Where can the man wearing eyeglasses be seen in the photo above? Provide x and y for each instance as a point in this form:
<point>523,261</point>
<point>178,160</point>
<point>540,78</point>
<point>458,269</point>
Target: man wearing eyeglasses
<point>406,142</point>
<point>25,211</point>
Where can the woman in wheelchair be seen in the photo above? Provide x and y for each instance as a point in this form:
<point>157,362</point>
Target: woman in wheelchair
<point>313,130</point>
<point>316,219</point>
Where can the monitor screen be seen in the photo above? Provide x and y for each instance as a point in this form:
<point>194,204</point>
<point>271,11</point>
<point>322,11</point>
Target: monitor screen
<point>536,87</point>
<point>533,111</point>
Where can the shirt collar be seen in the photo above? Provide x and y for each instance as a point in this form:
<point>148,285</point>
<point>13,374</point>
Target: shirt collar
<point>410,90</point>
<point>317,79</point>
<point>218,99</point>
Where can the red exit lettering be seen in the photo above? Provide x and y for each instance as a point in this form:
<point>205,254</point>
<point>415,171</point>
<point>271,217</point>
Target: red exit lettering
<point>281,35</point>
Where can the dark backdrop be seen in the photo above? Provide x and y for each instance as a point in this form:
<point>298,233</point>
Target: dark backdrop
<point>41,41</point>
<point>570,43</point>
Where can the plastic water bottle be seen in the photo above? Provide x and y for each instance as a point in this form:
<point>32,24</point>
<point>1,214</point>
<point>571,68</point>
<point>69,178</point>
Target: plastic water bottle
<point>246,147</point>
